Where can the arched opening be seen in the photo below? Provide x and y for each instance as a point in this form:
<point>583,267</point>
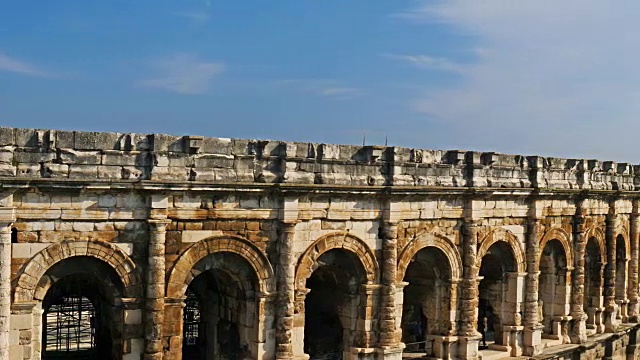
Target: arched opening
<point>495,307</point>
<point>621,277</point>
<point>427,300</point>
<point>332,305</point>
<point>553,291</point>
<point>219,317</point>
<point>14,235</point>
<point>593,283</point>
<point>82,316</point>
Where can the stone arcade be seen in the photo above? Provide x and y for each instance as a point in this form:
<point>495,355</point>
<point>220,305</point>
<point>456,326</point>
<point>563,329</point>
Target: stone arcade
<point>136,246</point>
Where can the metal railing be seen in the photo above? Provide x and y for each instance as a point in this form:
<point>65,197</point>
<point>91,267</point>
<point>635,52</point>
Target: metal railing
<point>419,347</point>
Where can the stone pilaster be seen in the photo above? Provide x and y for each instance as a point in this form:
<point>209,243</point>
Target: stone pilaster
<point>468,333</point>
<point>634,226</point>
<point>469,283</point>
<point>611,307</point>
<point>532,327</point>
<point>155,285</point>
<point>5,288</point>
<point>7,217</point>
<point>578,314</point>
<point>286,292</point>
<point>388,334</point>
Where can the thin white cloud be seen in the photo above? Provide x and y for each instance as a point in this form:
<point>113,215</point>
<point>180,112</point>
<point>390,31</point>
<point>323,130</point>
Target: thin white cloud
<point>13,65</point>
<point>428,62</point>
<point>322,87</point>
<point>183,74</point>
<point>196,16</point>
<point>553,77</point>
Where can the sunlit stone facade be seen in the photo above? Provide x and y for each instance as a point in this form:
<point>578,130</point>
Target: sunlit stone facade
<point>184,247</point>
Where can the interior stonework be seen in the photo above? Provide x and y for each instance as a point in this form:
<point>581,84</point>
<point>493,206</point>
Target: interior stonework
<point>186,247</point>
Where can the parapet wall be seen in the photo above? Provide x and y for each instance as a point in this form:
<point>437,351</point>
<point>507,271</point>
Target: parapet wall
<point>29,153</point>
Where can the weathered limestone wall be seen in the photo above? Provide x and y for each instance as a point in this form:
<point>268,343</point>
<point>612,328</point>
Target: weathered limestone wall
<point>267,221</point>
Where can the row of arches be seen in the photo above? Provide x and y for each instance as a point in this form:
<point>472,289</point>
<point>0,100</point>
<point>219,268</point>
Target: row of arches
<point>224,281</point>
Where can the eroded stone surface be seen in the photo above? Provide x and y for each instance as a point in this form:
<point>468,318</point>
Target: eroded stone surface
<point>410,244</point>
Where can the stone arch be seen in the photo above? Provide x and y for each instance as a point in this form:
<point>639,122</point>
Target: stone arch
<point>624,232</point>
<point>512,241</point>
<point>179,277</point>
<point>563,237</point>
<point>34,270</point>
<point>308,260</point>
<point>424,240</point>
<point>596,232</point>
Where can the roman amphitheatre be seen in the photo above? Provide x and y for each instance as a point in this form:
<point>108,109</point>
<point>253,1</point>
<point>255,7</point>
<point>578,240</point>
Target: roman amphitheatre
<point>151,246</point>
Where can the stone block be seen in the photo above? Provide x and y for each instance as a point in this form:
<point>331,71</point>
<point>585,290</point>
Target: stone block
<point>84,140</point>
<point>6,136</point>
<point>55,171</point>
<point>83,171</point>
<point>162,143</point>
<point>132,317</point>
<point>192,236</point>
<point>6,155</point>
<point>70,156</point>
<point>25,138</point>
<point>21,251</point>
<point>65,139</point>
<point>217,146</point>
<point>107,140</point>
<point>21,321</point>
<point>110,172</point>
<point>33,157</point>
<point>28,170</point>
<point>7,170</point>
<point>214,161</point>
<point>107,200</point>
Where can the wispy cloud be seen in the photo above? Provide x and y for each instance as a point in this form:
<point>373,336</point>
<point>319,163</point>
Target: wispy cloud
<point>195,16</point>
<point>323,87</point>
<point>553,77</point>
<point>183,74</point>
<point>13,65</point>
<point>428,62</point>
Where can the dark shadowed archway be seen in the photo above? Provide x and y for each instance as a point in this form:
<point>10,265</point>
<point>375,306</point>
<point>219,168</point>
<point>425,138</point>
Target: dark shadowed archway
<point>593,283</point>
<point>220,318</point>
<point>498,272</point>
<point>427,300</point>
<point>333,305</point>
<point>554,291</point>
<point>83,313</point>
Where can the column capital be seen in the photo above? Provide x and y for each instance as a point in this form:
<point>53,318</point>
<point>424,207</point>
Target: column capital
<point>175,301</point>
<point>159,224</point>
<point>370,288</point>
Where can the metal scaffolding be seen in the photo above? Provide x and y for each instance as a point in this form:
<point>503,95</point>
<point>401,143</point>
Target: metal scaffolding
<point>192,323</point>
<point>70,325</point>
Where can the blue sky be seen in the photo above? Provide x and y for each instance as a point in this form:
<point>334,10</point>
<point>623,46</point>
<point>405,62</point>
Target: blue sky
<point>525,77</point>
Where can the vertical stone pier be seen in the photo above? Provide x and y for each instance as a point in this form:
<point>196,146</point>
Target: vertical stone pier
<point>532,327</point>
<point>286,292</point>
<point>7,216</point>
<point>634,226</point>
<point>611,308</point>
<point>469,335</point>
<point>154,306</point>
<point>389,339</point>
<point>578,314</point>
